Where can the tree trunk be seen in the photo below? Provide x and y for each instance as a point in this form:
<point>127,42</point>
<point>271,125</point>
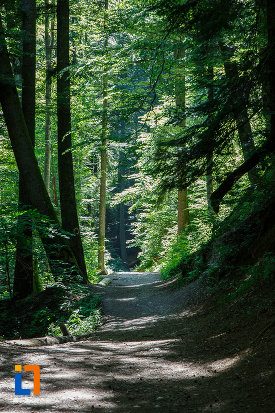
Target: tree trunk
<point>183,210</point>
<point>59,254</point>
<point>209,167</point>
<point>267,148</point>
<point>241,116</point>
<point>68,206</point>
<point>122,212</point>
<point>49,41</point>
<point>122,233</point>
<point>23,273</point>
<point>270,15</point>
<point>104,156</point>
<point>209,183</point>
<point>54,190</point>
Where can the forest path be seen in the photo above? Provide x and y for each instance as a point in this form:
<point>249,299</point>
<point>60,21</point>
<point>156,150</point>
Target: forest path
<point>134,296</point>
<point>157,352</point>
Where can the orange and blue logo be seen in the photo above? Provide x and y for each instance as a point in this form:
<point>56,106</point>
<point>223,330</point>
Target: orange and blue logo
<point>18,380</point>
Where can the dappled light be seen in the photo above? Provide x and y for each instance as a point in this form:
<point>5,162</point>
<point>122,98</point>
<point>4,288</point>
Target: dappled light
<point>159,362</point>
<point>137,225</point>
<point>176,358</point>
<point>99,374</point>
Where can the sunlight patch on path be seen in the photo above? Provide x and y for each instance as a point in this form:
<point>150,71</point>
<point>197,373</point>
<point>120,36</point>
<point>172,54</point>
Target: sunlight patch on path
<point>79,374</point>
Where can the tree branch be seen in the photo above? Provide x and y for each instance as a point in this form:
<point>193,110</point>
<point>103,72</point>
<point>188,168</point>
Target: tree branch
<point>267,148</point>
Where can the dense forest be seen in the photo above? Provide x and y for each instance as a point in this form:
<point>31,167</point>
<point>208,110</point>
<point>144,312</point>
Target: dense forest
<point>135,136</point>
<point>137,172</point>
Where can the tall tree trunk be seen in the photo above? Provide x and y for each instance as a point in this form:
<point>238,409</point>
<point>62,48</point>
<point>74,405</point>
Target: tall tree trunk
<point>58,251</point>
<point>65,160</point>
<point>209,167</point>
<point>241,116</point>
<point>104,156</point>
<point>23,274</point>
<point>122,209</point>
<point>54,189</point>
<point>49,41</point>
<point>122,232</point>
<point>209,182</point>
<point>183,210</point>
<point>270,17</point>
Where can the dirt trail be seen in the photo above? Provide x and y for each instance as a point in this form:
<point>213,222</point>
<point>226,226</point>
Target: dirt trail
<point>157,352</point>
<point>135,295</point>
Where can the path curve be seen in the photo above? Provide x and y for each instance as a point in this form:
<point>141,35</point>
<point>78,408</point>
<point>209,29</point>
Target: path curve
<point>156,353</point>
<point>134,295</point>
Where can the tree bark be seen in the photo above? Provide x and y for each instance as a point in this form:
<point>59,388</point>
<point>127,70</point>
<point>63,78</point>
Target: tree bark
<point>68,206</point>
<point>183,210</point>
<point>49,41</point>
<point>104,155</point>
<point>122,209</point>
<point>58,251</point>
<point>266,149</point>
<point>209,182</point>
<point>23,273</point>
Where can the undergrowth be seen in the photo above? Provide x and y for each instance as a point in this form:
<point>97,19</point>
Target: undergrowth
<point>221,255</point>
<point>250,278</point>
<point>42,313</point>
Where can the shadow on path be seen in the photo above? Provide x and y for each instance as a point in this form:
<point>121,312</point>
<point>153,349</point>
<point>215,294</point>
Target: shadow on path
<point>168,357</point>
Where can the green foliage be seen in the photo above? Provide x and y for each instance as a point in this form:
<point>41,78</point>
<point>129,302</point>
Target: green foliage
<point>251,279</point>
<point>262,272</point>
<point>84,317</point>
<point>90,246</point>
<point>215,249</point>
<point>78,324</point>
<point>12,230</point>
<point>8,232</point>
<point>147,146</point>
<point>87,304</point>
<point>40,314</point>
<point>31,316</point>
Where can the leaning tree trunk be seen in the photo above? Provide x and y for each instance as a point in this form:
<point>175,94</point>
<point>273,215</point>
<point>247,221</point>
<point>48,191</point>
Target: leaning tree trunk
<point>183,210</point>
<point>23,273</point>
<point>240,115</point>
<point>65,160</point>
<point>104,157</point>
<point>59,253</point>
<point>268,148</point>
